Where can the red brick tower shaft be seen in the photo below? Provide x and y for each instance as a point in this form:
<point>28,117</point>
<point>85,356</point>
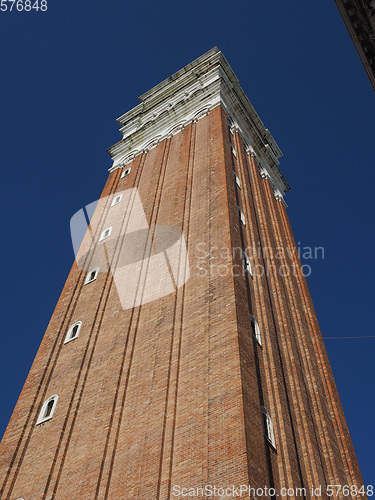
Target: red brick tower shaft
<point>184,351</point>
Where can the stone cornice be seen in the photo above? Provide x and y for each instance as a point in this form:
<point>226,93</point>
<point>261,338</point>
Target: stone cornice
<point>186,96</point>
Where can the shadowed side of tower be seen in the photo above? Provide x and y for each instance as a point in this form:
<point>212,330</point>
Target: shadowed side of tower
<point>194,361</point>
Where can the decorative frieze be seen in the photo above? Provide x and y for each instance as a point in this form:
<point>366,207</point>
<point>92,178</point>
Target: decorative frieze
<point>186,97</point>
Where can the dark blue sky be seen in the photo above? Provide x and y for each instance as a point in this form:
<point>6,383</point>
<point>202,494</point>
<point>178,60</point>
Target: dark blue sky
<point>68,73</point>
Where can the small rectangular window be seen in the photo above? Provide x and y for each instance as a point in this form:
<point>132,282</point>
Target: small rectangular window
<point>241,215</point>
<point>116,200</point>
<point>268,428</point>
<point>48,409</point>
<point>247,264</point>
<point>73,332</point>
<point>125,172</point>
<point>236,178</point>
<point>91,275</point>
<point>105,233</point>
<point>256,330</point>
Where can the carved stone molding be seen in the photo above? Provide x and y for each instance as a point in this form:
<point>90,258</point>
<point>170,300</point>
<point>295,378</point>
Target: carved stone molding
<point>186,97</point>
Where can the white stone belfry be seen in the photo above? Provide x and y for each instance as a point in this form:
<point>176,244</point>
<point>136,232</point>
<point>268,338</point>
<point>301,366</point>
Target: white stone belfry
<point>187,96</point>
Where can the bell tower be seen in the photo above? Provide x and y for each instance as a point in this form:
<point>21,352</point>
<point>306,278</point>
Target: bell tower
<point>184,355</point>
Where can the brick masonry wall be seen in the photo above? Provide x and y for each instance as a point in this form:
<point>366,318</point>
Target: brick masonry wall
<point>313,442</point>
<point>170,392</point>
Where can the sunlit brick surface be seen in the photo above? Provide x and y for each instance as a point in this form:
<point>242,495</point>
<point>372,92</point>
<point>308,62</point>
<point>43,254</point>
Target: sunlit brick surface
<point>170,392</point>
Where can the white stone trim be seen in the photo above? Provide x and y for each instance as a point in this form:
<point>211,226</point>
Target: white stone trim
<point>237,179</point>
<point>42,418</point>
<point>128,158</point>
<point>126,172</point>
<point>255,329</point>
<point>176,128</point>
<point>186,97</point>
<point>247,264</point>
<point>151,144</point>
<point>265,175</point>
<point>69,337</point>
<point>88,280</point>
<point>241,215</point>
<point>105,234</point>
<point>116,199</point>
<point>268,429</point>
